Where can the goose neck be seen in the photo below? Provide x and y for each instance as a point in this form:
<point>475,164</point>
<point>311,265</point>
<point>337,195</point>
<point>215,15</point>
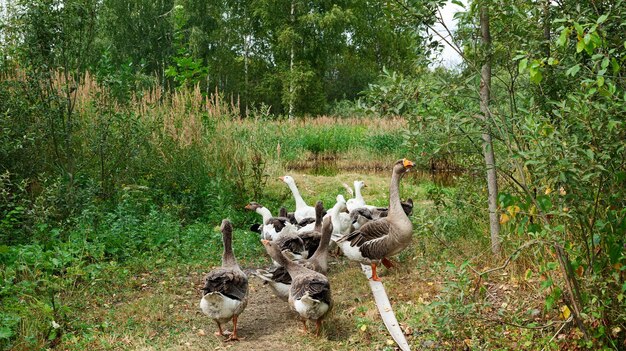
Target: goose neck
<point>296,195</point>
<point>265,213</point>
<point>395,207</point>
<point>228,258</point>
<point>357,193</point>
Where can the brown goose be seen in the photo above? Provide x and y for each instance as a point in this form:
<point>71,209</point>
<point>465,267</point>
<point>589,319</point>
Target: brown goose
<point>376,240</point>
<point>226,288</point>
<point>278,277</point>
<point>311,234</point>
<point>309,294</point>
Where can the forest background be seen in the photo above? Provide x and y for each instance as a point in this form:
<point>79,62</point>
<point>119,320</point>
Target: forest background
<point>127,126</point>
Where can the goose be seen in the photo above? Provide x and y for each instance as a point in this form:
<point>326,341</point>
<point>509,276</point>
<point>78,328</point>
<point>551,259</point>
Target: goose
<point>309,294</point>
<point>385,237</point>
<point>357,201</point>
<point>225,292</point>
<point>342,223</point>
<point>292,246</point>
<point>311,234</point>
<point>302,209</point>
<point>360,216</point>
<point>279,279</point>
<point>272,227</point>
<point>381,212</point>
<point>283,213</point>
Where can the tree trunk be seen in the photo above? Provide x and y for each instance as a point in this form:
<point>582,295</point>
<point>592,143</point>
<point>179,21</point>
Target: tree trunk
<point>490,160</point>
<point>291,58</point>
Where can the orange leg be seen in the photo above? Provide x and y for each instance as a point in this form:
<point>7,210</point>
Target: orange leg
<point>219,327</point>
<point>374,275</point>
<point>387,263</point>
<point>318,327</point>
<point>233,336</point>
<point>304,329</point>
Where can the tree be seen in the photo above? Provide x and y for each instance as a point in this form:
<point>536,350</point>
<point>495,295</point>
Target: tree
<point>489,154</point>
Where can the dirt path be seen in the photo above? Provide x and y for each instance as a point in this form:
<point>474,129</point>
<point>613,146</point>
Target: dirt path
<point>265,322</point>
<point>269,324</point>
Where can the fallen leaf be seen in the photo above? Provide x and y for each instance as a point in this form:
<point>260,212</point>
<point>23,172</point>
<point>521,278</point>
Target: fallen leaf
<point>201,332</point>
<point>390,342</point>
<point>580,270</point>
<point>616,331</point>
<point>364,327</point>
<point>565,312</point>
<point>504,218</point>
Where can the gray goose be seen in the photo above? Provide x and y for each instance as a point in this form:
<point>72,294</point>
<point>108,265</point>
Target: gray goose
<point>225,292</point>
<point>278,277</point>
<point>313,235</point>
<point>377,240</point>
<point>309,294</point>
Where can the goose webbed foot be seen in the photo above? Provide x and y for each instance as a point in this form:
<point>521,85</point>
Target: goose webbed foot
<point>233,335</point>
<point>374,275</point>
<point>219,331</point>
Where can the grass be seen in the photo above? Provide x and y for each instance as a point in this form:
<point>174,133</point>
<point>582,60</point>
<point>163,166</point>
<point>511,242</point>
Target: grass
<point>150,302</point>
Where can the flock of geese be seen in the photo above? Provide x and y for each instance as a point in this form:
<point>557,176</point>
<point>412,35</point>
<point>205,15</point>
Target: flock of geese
<point>299,243</point>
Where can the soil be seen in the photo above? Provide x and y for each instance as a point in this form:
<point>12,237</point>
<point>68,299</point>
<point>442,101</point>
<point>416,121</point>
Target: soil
<point>268,324</point>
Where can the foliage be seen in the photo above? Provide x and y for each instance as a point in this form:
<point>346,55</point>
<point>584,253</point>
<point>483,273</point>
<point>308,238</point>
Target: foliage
<point>557,107</point>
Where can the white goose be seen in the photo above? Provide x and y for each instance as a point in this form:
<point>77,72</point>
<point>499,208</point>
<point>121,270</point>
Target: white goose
<point>302,209</point>
<point>342,223</point>
<point>273,227</point>
<point>357,201</point>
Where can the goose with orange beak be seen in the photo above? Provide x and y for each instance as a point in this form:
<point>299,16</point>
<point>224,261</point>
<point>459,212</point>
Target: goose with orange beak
<point>377,240</point>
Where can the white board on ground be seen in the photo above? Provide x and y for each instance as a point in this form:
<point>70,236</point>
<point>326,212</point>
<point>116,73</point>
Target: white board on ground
<point>385,310</point>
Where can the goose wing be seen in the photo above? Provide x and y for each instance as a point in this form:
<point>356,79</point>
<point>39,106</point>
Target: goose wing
<point>277,274</point>
<point>369,231</point>
<point>316,286</point>
<point>228,282</point>
<point>311,241</point>
<point>292,243</point>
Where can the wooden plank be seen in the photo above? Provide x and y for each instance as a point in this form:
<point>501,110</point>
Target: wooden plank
<point>385,310</point>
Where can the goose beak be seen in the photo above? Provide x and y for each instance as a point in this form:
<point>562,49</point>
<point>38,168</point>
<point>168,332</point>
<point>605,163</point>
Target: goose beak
<point>265,242</point>
<point>248,207</point>
<point>282,178</point>
<point>407,163</point>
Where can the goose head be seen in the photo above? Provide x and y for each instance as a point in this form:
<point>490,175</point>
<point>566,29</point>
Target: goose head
<point>341,204</point>
<point>402,166</point>
<point>226,228</point>
<point>359,184</point>
<point>287,179</point>
<point>253,206</point>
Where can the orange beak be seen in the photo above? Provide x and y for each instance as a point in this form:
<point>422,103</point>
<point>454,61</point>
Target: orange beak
<point>282,178</point>
<point>407,163</point>
<point>265,242</point>
<point>248,207</point>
